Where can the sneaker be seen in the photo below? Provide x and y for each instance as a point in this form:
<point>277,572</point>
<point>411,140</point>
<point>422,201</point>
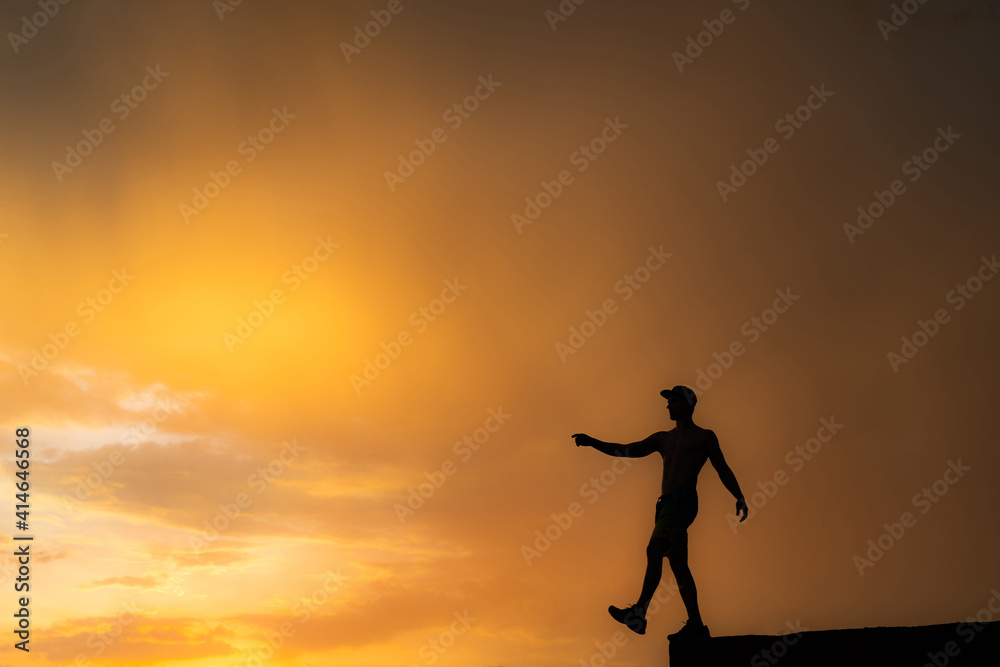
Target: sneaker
<point>691,632</point>
<point>631,616</point>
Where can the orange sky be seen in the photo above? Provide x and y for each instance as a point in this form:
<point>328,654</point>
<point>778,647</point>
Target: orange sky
<point>232,308</point>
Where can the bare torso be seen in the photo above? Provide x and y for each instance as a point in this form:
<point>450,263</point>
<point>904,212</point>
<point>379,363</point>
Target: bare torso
<point>684,453</point>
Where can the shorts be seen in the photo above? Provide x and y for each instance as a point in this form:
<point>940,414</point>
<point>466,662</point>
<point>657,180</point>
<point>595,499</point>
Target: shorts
<point>674,513</point>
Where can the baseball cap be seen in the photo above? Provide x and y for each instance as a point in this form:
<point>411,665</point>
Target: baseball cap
<point>681,393</point>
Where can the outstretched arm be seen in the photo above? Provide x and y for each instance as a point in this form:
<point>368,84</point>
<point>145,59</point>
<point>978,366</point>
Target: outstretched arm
<point>633,450</point>
<point>726,475</point>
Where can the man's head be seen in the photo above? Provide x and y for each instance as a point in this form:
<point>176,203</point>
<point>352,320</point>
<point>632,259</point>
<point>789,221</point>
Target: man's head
<point>680,402</point>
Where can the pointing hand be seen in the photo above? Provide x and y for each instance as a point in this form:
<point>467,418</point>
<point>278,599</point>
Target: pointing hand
<point>582,439</point>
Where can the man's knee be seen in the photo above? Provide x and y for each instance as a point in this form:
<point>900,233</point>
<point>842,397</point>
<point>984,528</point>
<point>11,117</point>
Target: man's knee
<point>657,549</point>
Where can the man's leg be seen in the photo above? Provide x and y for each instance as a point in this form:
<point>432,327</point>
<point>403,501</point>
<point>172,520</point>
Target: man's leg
<point>685,582</point>
<point>655,552</point>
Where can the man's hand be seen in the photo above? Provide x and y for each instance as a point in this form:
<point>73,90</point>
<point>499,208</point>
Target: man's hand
<point>741,506</point>
<point>582,439</point>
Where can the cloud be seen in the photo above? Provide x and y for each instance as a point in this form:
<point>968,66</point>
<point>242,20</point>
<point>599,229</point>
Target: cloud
<point>181,558</point>
<point>150,581</point>
<point>134,637</point>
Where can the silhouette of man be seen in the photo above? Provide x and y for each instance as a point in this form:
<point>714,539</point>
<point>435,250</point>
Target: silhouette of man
<point>684,450</point>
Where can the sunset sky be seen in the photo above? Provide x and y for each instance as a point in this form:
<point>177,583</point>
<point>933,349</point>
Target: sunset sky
<point>260,272</point>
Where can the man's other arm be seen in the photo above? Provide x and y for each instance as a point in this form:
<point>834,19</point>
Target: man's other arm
<point>721,467</point>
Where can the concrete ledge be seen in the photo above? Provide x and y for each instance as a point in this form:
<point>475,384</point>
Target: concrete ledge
<point>954,644</point>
